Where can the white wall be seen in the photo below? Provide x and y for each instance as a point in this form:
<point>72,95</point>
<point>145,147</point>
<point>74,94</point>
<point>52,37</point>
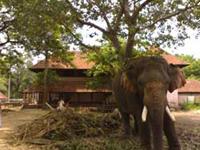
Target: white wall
<point>173,98</point>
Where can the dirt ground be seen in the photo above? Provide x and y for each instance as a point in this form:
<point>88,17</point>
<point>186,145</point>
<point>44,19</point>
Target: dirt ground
<point>188,127</point>
<point>12,119</point>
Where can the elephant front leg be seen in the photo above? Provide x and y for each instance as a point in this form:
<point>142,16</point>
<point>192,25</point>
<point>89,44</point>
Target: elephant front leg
<point>126,124</point>
<point>136,128</point>
<point>144,132</point>
<point>170,133</point>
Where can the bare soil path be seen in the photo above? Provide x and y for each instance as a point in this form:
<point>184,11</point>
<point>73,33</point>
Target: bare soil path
<point>188,127</point>
<point>188,118</point>
<point>11,120</point>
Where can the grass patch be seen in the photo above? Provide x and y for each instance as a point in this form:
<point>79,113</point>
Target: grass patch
<point>189,106</point>
<point>100,143</point>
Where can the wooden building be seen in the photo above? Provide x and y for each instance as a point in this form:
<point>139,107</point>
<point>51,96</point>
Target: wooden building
<point>72,87</point>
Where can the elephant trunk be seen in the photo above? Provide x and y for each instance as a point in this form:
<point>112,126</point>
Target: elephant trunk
<point>155,103</point>
<point>156,121</point>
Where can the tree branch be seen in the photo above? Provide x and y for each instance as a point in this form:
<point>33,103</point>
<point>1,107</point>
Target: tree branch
<point>116,20</point>
<point>81,42</point>
<point>165,17</point>
<point>130,43</point>
<point>103,15</point>
<point>92,25</point>
<point>137,10</point>
<point>126,11</point>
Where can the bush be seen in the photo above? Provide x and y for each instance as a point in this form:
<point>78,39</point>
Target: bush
<point>189,106</point>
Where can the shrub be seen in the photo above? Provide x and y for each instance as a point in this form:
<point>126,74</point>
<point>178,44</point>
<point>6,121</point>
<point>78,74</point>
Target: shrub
<point>189,106</point>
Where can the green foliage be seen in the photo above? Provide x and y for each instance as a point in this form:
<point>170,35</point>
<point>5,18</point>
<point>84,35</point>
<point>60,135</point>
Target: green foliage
<point>38,24</point>
<point>3,84</point>
<point>189,106</point>
<point>135,21</point>
<point>16,66</point>
<point>52,77</point>
<point>152,21</point>
<point>21,79</point>
<point>63,56</point>
<point>107,63</point>
<point>193,70</point>
<point>104,143</point>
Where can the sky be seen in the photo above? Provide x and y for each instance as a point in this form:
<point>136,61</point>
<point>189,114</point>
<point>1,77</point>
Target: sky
<point>191,46</point>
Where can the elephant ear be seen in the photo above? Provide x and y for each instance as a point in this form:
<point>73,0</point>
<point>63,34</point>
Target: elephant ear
<point>177,78</point>
<point>126,83</point>
<point>128,76</point>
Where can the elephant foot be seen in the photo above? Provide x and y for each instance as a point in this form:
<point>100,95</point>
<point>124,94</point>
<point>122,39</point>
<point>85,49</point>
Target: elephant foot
<point>146,147</point>
<point>175,148</point>
<point>135,133</point>
<point>126,136</point>
<point>145,143</point>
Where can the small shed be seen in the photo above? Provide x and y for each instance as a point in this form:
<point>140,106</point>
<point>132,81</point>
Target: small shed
<point>190,93</point>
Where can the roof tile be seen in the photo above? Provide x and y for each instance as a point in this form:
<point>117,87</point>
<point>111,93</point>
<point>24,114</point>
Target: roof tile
<point>191,86</point>
<point>2,96</point>
<point>80,62</point>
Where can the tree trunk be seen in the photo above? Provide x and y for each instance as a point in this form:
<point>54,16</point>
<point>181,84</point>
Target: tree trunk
<point>129,46</point>
<point>46,97</point>
<point>9,84</point>
<point>130,42</point>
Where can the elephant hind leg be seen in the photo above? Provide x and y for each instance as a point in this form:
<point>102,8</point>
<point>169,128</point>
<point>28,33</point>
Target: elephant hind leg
<point>170,133</point>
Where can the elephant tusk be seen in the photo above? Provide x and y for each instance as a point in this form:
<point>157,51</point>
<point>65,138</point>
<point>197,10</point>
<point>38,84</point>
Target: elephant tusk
<point>170,114</point>
<point>144,114</point>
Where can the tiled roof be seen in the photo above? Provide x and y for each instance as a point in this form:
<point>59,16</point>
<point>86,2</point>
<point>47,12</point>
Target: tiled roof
<point>191,86</point>
<point>2,96</point>
<point>171,59</point>
<point>80,62</point>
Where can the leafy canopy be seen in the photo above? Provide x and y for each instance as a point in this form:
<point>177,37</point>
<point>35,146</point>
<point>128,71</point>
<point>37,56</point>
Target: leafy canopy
<point>156,21</point>
<point>193,70</point>
<point>37,24</point>
<point>107,63</point>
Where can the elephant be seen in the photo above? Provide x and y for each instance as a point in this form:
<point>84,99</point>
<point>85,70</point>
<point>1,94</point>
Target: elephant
<point>140,90</point>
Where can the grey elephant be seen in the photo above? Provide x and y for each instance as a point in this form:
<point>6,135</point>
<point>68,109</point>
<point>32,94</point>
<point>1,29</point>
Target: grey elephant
<point>141,90</point>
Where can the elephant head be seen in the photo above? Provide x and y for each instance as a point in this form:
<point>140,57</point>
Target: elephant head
<point>151,78</point>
